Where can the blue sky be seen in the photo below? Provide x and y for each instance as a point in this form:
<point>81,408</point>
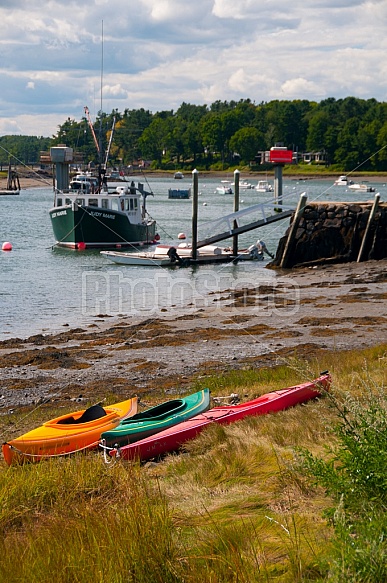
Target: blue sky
<point>159,53</point>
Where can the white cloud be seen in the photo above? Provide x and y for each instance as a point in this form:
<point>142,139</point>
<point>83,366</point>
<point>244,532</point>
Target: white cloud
<point>158,53</point>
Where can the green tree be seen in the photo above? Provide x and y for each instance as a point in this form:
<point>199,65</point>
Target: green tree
<point>246,142</point>
<point>154,138</point>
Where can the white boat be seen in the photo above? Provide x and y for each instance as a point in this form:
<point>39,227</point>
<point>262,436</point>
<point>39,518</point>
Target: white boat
<point>244,185</point>
<point>342,181</point>
<point>264,186</point>
<point>224,189</point>
<point>144,259</point>
<point>361,187</point>
<point>178,175</point>
<point>181,255</point>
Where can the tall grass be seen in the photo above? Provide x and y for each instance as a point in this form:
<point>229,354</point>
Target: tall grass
<point>231,507</point>
<point>354,476</point>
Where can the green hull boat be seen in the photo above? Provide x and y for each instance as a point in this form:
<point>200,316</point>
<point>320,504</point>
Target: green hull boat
<point>157,419</point>
<point>88,213</point>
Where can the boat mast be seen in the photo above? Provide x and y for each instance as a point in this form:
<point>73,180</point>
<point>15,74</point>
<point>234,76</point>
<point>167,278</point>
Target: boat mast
<point>101,172</point>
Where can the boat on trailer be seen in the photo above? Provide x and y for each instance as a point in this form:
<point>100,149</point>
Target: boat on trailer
<point>173,438</point>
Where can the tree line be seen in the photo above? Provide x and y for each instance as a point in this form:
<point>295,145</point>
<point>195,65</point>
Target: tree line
<point>348,133</point>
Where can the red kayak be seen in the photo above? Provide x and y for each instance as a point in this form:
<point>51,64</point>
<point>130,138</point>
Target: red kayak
<point>171,439</point>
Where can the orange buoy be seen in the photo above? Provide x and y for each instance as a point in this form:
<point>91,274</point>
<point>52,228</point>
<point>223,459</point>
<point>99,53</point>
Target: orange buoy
<point>81,246</point>
<point>181,236</point>
<point>7,246</point>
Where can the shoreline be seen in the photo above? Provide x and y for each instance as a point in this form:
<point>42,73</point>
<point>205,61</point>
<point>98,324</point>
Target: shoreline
<point>27,182</point>
<point>300,314</point>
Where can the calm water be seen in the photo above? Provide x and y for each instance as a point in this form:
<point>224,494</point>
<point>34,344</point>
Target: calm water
<point>42,289</point>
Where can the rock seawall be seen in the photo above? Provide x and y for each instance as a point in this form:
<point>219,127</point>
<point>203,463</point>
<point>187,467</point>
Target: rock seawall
<point>334,232</point>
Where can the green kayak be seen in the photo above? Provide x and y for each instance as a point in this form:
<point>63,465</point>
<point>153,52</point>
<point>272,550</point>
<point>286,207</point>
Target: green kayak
<point>157,419</point>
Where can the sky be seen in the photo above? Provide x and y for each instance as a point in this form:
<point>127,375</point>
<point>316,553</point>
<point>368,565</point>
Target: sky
<point>157,54</point>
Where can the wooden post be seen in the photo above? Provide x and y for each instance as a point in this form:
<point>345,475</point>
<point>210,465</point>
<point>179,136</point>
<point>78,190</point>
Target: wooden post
<point>195,202</point>
<point>367,230</point>
<point>278,185</point>
<point>293,227</point>
<point>236,209</point>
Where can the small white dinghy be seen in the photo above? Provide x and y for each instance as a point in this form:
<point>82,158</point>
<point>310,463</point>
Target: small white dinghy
<point>149,259</point>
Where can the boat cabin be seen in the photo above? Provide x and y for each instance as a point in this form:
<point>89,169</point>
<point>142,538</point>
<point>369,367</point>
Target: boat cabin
<point>122,199</point>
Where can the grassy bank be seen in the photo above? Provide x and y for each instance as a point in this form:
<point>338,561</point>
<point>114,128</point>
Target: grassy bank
<point>244,503</point>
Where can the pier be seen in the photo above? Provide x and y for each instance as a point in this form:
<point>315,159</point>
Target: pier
<point>230,225</point>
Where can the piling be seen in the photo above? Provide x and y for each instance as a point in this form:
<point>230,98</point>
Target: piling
<point>293,228</point>
<point>368,227</point>
<point>236,209</point>
<point>195,204</point>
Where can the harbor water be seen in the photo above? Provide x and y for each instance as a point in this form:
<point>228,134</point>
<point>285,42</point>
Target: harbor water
<point>43,289</point>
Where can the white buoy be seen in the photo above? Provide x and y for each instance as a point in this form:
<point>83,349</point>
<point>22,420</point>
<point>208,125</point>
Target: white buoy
<point>7,246</point>
<point>204,204</point>
<point>181,236</point>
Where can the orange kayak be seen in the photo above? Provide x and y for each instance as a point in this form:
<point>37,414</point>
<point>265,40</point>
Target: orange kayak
<point>69,433</point>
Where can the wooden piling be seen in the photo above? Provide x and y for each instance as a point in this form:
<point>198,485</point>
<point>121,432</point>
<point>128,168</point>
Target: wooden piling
<point>195,203</point>
<point>236,209</point>
<point>368,227</point>
<point>292,231</point>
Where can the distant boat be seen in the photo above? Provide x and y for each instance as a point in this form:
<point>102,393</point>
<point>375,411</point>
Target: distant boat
<point>264,186</point>
<point>244,185</point>
<point>179,193</point>
<point>178,175</point>
<point>361,187</point>
<point>342,181</point>
<point>224,189</point>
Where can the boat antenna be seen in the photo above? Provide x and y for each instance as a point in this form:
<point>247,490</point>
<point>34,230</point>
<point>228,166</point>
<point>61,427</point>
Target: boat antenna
<point>100,117</point>
<point>101,172</point>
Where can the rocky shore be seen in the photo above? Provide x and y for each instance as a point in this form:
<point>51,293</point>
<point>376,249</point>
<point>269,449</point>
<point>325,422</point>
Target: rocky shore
<point>296,313</point>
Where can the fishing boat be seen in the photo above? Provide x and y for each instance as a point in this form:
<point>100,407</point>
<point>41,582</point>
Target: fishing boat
<point>156,419</point>
<point>173,438</point>
<point>68,433</point>
<point>89,216</point>
<point>264,186</point>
